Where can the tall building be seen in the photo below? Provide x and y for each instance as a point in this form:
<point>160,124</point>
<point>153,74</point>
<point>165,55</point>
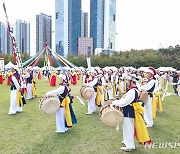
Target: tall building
<point>84,24</point>
<point>97,22</point>
<point>102,23</point>
<point>43,31</point>
<point>85,46</point>
<point>5,42</point>
<point>110,24</point>
<point>23,36</point>
<point>67,26</point>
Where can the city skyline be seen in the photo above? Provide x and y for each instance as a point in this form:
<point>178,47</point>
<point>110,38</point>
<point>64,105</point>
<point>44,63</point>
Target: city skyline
<point>140,24</point>
<point>43,31</point>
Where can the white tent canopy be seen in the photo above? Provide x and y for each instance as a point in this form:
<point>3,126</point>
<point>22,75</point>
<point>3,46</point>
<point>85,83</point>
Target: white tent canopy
<point>9,65</point>
<point>142,68</point>
<point>166,69</point>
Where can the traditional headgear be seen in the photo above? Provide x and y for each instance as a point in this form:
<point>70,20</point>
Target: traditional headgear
<point>62,76</point>
<point>151,70</point>
<point>132,77</point>
<point>14,67</point>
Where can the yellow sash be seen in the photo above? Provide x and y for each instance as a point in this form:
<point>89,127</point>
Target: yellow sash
<point>19,99</point>
<point>99,99</point>
<point>154,105</point>
<point>159,102</point>
<point>114,89</point>
<point>119,88</point>
<point>34,90</point>
<point>125,84</point>
<point>141,130</point>
<point>65,104</point>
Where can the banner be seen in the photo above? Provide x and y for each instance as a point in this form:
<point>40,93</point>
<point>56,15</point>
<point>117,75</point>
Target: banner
<point>1,64</point>
<point>89,64</point>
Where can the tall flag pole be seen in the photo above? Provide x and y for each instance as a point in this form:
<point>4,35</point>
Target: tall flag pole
<point>17,57</point>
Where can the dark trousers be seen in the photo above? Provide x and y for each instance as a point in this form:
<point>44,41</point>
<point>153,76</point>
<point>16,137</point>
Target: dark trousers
<point>175,87</point>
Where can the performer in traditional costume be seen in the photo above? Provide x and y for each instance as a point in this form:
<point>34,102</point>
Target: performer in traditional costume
<point>91,102</point>
<point>63,115</point>
<point>149,87</point>
<point>53,79</point>
<point>74,78</point>
<point>132,111</point>
<point>1,78</point>
<point>16,101</point>
<point>9,77</point>
<point>39,75</point>
<point>28,76</point>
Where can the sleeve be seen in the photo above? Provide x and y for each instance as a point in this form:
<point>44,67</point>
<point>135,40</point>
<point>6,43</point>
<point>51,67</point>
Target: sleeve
<point>92,83</point>
<point>147,86</point>
<point>15,82</point>
<point>26,76</point>
<point>126,99</point>
<point>58,91</point>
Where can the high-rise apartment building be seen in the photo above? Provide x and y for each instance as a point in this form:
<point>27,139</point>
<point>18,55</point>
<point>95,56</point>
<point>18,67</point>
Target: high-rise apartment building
<point>103,23</point>
<point>84,24</point>
<point>23,36</point>
<point>110,24</point>
<point>43,31</point>
<point>67,26</point>
<point>85,46</point>
<point>5,42</point>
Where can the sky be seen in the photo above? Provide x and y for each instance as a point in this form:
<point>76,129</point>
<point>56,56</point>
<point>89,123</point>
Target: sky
<point>140,23</point>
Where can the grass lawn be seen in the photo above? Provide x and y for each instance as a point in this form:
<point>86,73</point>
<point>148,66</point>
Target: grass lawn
<point>34,132</point>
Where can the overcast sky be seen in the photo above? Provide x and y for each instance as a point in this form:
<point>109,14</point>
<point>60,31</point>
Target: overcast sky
<point>140,23</point>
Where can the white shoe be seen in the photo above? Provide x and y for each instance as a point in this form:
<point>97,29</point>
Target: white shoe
<point>149,126</point>
<point>89,113</point>
<point>60,131</point>
<point>11,113</point>
<point>126,149</point>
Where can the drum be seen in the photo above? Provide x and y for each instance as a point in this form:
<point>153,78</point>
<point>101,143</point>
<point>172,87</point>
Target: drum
<point>111,117</point>
<point>49,104</point>
<point>87,92</point>
<point>143,96</point>
<point>178,89</point>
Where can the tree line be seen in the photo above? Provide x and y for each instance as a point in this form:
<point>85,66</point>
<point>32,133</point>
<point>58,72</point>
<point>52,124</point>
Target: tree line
<point>164,57</point>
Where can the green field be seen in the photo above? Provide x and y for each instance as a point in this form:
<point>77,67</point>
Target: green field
<point>34,132</point>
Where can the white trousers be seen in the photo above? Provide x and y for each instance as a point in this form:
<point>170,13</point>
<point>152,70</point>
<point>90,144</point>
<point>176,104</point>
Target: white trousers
<point>29,90</point>
<point>60,120</point>
<point>148,112</point>
<point>178,91</point>
<point>122,87</point>
<point>13,100</point>
<point>128,132</point>
<point>91,103</point>
<point>110,93</point>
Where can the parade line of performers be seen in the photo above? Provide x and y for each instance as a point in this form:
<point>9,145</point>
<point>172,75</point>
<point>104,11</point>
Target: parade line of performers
<point>120,88</point>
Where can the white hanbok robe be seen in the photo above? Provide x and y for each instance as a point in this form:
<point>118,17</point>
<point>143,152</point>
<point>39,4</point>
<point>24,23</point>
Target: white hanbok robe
<point>148,105</point>
<point>60,114</point>
<point>128,123</point>
<point>13,98</point>
<point>91,102</point>
<point>29,87</point>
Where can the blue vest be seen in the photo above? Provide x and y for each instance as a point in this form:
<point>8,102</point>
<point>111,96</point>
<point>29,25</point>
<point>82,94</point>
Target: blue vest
<point>13,87</point>
<point>151,90</point>
<point>128,111</point>
<point>63,95</point>
<point>29,80</point>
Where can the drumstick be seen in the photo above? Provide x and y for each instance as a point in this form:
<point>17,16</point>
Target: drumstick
<point>80,100</point>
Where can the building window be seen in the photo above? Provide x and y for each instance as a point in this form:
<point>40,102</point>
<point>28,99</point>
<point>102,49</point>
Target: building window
<point>114,17</point>
<point>57,15</point>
